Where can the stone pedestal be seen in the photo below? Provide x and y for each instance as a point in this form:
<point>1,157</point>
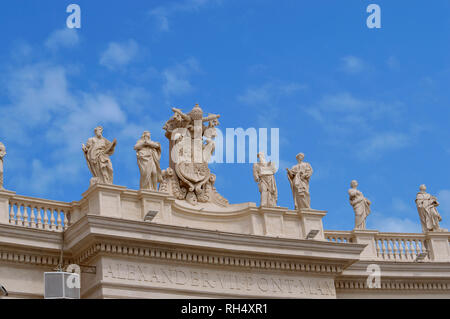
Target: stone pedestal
<point>273,221</point>
<point>311,219</point>
<point>155,203</point>
<point>105,200</point>
<point>438,246</point>
<point>366,237</point>
<point>5,196</point>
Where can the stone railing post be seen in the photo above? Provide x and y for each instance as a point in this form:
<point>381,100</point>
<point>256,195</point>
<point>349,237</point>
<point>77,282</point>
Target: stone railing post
<point>438,246</point>
<point>311,219</point>
<point>366,237</point>
<point>5,197</point>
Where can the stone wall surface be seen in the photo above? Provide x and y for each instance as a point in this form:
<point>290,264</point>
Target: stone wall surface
<point>148,244</point>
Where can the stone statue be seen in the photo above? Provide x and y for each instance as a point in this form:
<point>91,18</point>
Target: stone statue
<point>2,154</point>
<point>97,152</point>
<point>263,172</point>
<point>191,146</point>
<point>361,205</point>
<point>299,176</point>
<point>426,206</point>
<point>148,155</point>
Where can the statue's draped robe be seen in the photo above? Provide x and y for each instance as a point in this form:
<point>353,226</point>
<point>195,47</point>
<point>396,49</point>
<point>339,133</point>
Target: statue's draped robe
<point>361,206</point>
<point>299,177</point>
<point>264,174</point>
<point>97,157</point>
<point>148,157</point>
<point>426,207</point>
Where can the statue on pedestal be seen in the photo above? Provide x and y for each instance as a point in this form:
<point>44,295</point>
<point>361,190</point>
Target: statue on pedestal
<point>299,176</point>
<point>188,176</point>
<point>263,172</point>
<point>361,205</point>
<point>2,154</point>
<point>148,155</point>
<point>426,207</point>
<point>97,152</point>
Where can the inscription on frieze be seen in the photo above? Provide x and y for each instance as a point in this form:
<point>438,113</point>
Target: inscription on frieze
<point>219,281</point>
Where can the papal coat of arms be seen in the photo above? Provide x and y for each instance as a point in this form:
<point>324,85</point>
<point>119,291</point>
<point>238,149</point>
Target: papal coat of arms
<point>188,176</point>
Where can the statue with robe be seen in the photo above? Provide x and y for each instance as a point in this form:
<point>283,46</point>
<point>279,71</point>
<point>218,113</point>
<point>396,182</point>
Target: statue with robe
<point>263,172</point>
<point>427,208</point>
<point>299,176</point>
<point>148,155</point>
<point>97,152</point>
<point>2,154</point>
<point>360,204</point>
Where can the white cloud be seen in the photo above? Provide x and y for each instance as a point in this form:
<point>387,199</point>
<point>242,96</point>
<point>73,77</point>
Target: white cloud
<point>64,38</point>
<point>162,13</point>
<point>269,93</point>
<point>392,62</point>
<point>399,205</point>
<point>393,224</point>
<point>380,142</point>
<point>43,107</point>
<point>176,78</point>
<point>356,123</point>
<point>351,64</point>
<point>118,55</point>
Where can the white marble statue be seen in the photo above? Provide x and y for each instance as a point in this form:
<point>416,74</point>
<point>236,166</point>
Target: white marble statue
<point>263,172</point>
<point>360,204</point>
<point>2,154</point>
<point>191,145</point>
<point>426,207</point>
<point>299,176</point>
<point>97,152</point>
<point>148,155</point>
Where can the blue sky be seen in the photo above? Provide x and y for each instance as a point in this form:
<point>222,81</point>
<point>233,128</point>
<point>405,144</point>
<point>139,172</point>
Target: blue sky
<point>365,104</point>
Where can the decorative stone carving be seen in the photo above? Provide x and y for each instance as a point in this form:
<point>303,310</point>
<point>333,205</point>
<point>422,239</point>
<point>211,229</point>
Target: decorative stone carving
<point>188,176</point>
<point>426,207</point>
<point>361,205</point>
<point>263,172</point>
<point>97,152</point>
<point>299,176</point>
<point>2,154</point>
<point>148,155</point>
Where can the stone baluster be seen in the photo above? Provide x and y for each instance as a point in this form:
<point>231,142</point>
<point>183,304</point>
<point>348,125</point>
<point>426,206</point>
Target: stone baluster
<point>12,220</point>
<point>45,225</point>
<point>52,218</point>
<point>395,249</point>
<point>24,215</point>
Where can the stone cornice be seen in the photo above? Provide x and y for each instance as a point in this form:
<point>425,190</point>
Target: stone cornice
<point>145,232</point>
<point>401,269</point>
<point>175,256</point>
<point>393,284</point>
<point>29,237</point>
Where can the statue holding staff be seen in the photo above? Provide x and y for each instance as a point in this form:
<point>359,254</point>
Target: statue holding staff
<point>97,152</point>
<point>263,172</point>
<point>148,155</point>
<point>299,176</point>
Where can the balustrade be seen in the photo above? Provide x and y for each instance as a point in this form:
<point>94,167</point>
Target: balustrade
<point>41,214</point>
